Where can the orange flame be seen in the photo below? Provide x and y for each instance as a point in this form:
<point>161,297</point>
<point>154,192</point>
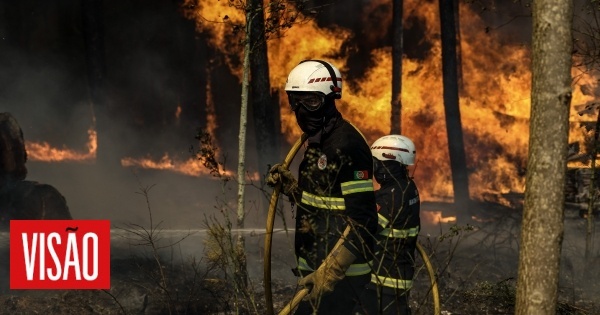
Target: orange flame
<point>178,112</point>
<point>44,152</point>
<point>436,217</point>
<point>190,167</point>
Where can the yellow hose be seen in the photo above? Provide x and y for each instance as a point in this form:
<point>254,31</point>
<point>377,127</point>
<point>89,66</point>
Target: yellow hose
<point>434,288</point>
<point>271,221</point>
<point>294,302</point>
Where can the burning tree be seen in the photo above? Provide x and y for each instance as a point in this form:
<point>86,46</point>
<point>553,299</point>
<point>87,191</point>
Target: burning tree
<point>396,114</point>
<point>456,148</point>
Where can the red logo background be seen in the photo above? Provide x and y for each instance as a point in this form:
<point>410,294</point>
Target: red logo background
<point>43,228</point>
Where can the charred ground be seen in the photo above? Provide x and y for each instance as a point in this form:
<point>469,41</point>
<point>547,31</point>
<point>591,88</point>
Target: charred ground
<point>476,267</point>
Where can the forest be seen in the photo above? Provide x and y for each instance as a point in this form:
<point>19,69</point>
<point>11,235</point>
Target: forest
<point>120,103</point>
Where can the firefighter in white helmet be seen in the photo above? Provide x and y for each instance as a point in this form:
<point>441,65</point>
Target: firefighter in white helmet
<point>398,207</point>
<point>334,190</point>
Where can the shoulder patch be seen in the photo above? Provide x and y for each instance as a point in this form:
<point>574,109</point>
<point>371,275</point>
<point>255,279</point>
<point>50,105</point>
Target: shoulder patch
<point>361,174</point>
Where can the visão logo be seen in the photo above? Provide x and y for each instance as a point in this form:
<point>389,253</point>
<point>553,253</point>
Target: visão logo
<point>60,254</point>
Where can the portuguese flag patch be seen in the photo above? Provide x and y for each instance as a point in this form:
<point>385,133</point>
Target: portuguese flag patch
<point>361,174</point>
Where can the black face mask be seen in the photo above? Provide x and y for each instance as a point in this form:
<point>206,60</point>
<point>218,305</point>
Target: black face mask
<point>384,170</point>
<point>310,122</point>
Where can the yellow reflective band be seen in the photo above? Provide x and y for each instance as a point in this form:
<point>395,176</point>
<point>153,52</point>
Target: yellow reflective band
<point>400,233</point>
<point>359,269</point>
<point>383,221</point>
<point>391,282</point>
<point>357,186</point>
<point>329,203</point>
<point>303,265</point>
<point>353,270</point>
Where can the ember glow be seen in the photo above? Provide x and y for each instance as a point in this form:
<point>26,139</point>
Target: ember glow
<point>44,152</point>
<point>190,167</point>
<point>436,217</point>
<point>178,112</point>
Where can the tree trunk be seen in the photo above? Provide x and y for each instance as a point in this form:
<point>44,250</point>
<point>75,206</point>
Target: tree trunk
<point>278,137</point>
<point>589,231</point>
<point>264,125</point>
<point>396,123</point>
<point>458,164</point>
<point>241,273</point>
<point>542,227</point>
<point>459,72</point>
<point>93,35</point>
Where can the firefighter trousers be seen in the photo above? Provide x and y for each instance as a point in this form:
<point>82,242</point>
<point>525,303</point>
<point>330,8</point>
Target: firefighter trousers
<point>378,300</point>
<point>341,301</point>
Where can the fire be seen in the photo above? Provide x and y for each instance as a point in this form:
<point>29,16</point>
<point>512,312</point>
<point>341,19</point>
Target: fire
<point>494,100</point>
<point>44,152</point>
<point>189,167</point>
<point>178,112</point>
<point>435,217</point>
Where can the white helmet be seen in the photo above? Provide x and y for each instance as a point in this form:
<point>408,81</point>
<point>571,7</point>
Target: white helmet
<point>315,76</point>
<point>394,148</point>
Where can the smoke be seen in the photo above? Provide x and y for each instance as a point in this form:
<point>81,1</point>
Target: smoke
<point>155,66</point>
<point>35,88</point>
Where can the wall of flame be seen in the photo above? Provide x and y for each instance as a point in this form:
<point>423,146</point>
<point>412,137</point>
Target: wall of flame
<point>495,97</point>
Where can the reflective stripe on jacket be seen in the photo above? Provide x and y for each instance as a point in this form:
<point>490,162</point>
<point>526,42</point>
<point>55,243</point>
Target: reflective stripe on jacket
<point>395,233</point>
<point>391,282</point>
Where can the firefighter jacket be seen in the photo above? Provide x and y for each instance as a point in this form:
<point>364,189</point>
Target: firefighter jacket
<point>336,189</point>
<point>398,207</point>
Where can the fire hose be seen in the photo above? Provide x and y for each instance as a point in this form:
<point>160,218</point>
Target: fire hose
<point>271,221</point>
<point>304,291</point>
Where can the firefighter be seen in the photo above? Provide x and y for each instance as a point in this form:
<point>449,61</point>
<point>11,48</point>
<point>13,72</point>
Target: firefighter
<point>334,190</point>
<point>398,207</point>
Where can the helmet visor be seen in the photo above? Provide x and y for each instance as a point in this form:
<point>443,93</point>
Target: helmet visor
<point>310,101</point>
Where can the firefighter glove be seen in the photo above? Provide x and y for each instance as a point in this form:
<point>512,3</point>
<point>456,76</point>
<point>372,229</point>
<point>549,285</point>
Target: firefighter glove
<point>333,269</point>
<point>279,174</point>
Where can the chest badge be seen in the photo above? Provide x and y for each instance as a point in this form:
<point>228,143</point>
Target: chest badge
<point>322,162</point>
